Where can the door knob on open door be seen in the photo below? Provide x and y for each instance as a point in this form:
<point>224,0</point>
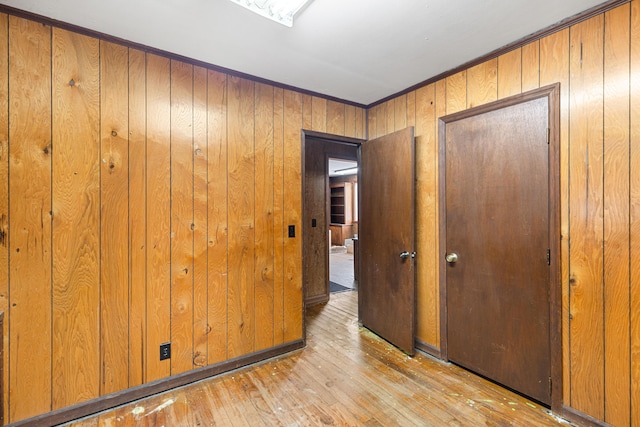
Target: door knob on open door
<point>405,255</point>
<point>451,258</point>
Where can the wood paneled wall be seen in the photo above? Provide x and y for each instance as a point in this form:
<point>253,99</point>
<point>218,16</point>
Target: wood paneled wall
<point>597,63</point>
<point>143,200</point>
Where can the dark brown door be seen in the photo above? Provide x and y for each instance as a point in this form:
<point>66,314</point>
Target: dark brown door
<point>386,285</point>
<point>497,237</point>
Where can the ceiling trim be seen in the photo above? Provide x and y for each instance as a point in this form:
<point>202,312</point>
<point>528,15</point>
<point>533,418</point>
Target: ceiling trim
<point>565,23</point>
<point>148,49</point>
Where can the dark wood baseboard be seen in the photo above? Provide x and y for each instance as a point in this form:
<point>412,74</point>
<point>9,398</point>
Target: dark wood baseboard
<point>428,348</point>
<point>318,299</point>
<point>581,419</point>
<point>109,401</point>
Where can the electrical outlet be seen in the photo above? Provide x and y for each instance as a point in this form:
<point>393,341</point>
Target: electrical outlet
<point>165,351</point>
<point>292,231</point>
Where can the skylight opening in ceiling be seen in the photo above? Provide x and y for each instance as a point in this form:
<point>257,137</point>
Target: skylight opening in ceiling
<point>281,11</point>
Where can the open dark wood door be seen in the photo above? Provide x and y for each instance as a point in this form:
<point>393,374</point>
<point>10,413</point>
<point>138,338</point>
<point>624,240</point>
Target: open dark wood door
<point>497,245</point>
<point>386,286</point>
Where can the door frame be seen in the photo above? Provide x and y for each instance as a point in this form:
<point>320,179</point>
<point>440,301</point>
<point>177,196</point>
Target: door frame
<point>333,139</point>
<point>552,93</point>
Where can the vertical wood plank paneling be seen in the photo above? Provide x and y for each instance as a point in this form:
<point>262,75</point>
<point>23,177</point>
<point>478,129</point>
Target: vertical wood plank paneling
<point>76,218</point>
<point>307,111</point>
<point>456,94</point>
<point>400,113</point>
<point>372,122</point>
<point>158,215</point>
<point>391,116</point>
<point>335,117</point>
<point>218,215</point>
<point>181,217</point>
<point>30,227</point>
<point>350,121</point>
<point>554,67</point>
<point>137,216</point>
<point>114,221</point>
<point>586,218</point>
<point>411,108</point>
<point>241,253</point>
<point>293,216</point>
<point>426,202</point>
<point>441,110</point>
<point>510,74</point>
<point>616,217</point>
<point>381,119</point>
<point>318,114</point>
<point>4,203</point>
<point>361,123</point>
<point>200,199</point>
<point>482,83</point>
<point>278,216</point>
<point>531,66</point>
<point>264,230</point>
<point>634,182</point>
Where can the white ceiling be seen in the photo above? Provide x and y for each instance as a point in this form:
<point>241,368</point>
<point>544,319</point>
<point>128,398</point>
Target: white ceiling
<point>357,50</point>
<point>336,166</point>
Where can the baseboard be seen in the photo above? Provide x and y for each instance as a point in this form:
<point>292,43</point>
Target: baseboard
<point>578,417</point>
<point>428,348</point>
<point>318,299</point>
<point>109,401</point>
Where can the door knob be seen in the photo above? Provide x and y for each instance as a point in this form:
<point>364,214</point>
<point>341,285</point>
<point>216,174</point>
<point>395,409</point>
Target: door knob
<point>451,258</point>
<point>405,255</point>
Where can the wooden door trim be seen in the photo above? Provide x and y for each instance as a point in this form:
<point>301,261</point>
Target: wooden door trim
<point>329,138</point>
<point>552,92</point>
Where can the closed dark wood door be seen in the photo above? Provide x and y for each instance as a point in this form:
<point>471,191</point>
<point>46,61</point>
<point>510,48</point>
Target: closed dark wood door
<point>386,286</point>
<point>497,237</point>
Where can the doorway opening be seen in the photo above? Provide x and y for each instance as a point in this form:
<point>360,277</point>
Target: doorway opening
<point>330,212</point>
<point>343,226</point>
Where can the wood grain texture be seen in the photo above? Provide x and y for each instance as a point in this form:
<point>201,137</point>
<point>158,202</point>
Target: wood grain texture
<point>531,66</point>
<point>510,74</point>
<point>554,67</point>
<point>241,164</point>
<point>381,120</point>
<point>30,227</point>
<point>218,203</point>
<point>372,122</point>
<point>634,188</point>
<point>318,114</point>
<point>137,216</point>
<point>114,219</point>
<point>345,376</point>
<point>4,204</point>
<point>158,221</point>
<point>336,117</point>
<point>200,219</point>
<point>456,95</point>
<point>586,218</point>
<point>264,232</point>
<point>391,116</point>
<point>350,121</point>
<point>361,123</point>
<point>427,295</point>
<point>482,83</point>
<point>181,217</point>
<point>616,217</point>
<point>411,108</point>
<point>292,291</point>
<point>307,111</point>
<point>278,216</point>
<point>76,218</point>
<point>400,113</point>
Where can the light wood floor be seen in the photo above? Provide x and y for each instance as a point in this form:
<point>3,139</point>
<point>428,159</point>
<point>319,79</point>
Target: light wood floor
<point>346,376</point>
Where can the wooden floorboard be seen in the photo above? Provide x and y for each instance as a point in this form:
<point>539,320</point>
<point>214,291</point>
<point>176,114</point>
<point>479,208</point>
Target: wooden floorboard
<point>346,376</point>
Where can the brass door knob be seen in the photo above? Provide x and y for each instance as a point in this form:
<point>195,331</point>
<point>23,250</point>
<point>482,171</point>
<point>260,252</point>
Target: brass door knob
<point>451,257</point>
